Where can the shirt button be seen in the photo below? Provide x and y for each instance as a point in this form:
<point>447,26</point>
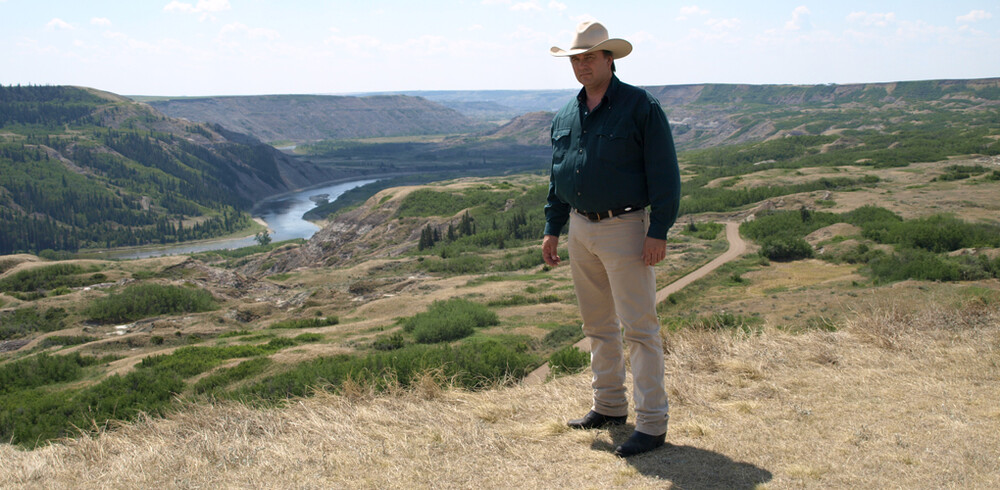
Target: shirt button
<point>578,193</point>
<point>581,151</point>
<point>578,171</point>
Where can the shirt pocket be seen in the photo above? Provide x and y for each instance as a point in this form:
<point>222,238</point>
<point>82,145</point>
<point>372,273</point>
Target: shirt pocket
<point>618,146</point>
<point>560,145</point>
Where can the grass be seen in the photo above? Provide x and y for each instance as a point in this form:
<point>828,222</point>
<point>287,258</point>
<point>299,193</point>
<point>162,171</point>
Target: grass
<point>756,375</point>
<point>764,411</point>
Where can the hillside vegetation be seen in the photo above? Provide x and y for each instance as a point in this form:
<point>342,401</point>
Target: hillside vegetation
<point>901,395</point>
<point>83,169</point>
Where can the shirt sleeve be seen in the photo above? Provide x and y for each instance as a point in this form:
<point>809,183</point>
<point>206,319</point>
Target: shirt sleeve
<point>663,177</point>
<point>556,211</point>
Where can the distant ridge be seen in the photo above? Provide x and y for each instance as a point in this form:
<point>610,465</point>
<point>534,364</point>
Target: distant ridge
<point>299,118</point>
<point>709,115</point>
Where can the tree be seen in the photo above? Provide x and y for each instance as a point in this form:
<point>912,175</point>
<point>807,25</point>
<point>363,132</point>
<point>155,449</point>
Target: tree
<point>263,238</point>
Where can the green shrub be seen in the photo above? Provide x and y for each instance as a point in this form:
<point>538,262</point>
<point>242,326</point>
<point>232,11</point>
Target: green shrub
<point>42,370</point>
<point>782,248</point>
<point>280,343</point>
<point>23,321</point>
<point>227,376</point>
<point>65,340</point>
<point>514,300</point>
<point>938,233</point>
<point>918,264</point>
<point>49,277</point>
<point>562,335</point>
<point>306,323</point>
<point>146,300</point>
<point>703,231</point>
<point>569,359</point>
<point>308,337</point>
<point>391,341</point>
<point>449,320</point>
<point>462,264</point>
<point>716,321</point>
<point>472,365</point>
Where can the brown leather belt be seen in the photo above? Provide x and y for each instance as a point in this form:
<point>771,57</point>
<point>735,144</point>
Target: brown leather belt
<point>598,216</point>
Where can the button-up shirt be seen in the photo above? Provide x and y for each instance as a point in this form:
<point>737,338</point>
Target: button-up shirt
<point>620,154</point>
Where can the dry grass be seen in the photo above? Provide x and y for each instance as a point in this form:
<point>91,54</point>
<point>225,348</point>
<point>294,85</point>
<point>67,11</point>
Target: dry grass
<point>904,395</point>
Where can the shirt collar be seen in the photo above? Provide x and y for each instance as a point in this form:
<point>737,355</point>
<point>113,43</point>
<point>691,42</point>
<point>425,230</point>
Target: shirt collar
<point>609,94</point>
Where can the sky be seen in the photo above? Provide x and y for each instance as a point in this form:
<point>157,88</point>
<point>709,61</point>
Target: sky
<point>253,47</point>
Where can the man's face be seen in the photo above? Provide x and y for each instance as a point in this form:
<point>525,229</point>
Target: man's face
<point>592,69</point>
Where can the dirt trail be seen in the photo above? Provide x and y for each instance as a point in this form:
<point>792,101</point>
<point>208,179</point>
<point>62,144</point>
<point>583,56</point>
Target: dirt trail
<point>737,246</point>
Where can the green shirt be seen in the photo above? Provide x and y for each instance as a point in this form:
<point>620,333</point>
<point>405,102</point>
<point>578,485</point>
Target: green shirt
<point>621,154</point>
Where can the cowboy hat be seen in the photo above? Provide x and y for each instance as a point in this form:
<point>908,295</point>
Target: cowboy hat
<point>592,36</point>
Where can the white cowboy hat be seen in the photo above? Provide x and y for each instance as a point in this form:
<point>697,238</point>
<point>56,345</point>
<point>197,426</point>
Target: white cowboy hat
<point>592,36</point>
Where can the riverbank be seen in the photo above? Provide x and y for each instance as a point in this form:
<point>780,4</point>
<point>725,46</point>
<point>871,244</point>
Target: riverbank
<point>249,234</point>
<point>279,215</point>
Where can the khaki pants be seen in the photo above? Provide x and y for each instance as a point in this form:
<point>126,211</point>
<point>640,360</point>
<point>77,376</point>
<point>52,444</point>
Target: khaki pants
<point>617,291</point>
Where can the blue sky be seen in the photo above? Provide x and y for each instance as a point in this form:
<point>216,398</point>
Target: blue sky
<point>237,47</point>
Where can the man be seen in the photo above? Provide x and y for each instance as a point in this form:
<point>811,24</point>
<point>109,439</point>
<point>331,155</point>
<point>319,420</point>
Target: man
<point>612,156</point>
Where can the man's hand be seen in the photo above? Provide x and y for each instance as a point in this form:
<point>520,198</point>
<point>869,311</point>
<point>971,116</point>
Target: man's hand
<point>653,251</point>
<point>550,252</point>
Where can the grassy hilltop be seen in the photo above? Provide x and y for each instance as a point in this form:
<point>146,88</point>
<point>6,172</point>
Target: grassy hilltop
<point>856,343</point>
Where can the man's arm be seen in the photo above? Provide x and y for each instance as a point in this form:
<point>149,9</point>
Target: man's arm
<point>663,178</point>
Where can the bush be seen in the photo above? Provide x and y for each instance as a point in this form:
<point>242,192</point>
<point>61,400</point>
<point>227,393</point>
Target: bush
<point>569,359</point>
<point>42,370</point>
<point>146,300</point>
<point>308,337</point>
<point>716,321</point>
<point>224,377</point>
<point>916,264</point>
<point>785,248</point>
<point>473,365</point>
<point>24,321</point>
<point>391,341</point>
<point>702,231</point>
<point>562,335</point>
<point>306,323</point>
<point>65,340</point>
<point>449,320</point>
<point>49,277</point>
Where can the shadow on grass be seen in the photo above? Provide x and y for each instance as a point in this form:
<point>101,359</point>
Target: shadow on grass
<point>688,467</point>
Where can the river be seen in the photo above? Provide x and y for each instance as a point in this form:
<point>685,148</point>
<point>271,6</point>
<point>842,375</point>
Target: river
<point>282,214</point>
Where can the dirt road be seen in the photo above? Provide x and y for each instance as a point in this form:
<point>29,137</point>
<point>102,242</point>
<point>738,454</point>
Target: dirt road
<point>736,248</point>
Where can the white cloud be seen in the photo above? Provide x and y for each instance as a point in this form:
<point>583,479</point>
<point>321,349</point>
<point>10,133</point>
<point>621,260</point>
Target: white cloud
<point>203,7</point>
<point>250,32</point>
<point>973,16</point>
<point>100,21</point>
<point>530,5</point>
<point>359,46</point>
<point>873,19</point>
<point>691,10</point>
<point>554,5</point>
<point>58,23</point>
<point>723,24</point>
<point>799,16</point>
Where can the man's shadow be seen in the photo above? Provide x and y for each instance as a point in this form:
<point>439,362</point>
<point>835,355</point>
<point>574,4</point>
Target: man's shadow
<point>688,467</point>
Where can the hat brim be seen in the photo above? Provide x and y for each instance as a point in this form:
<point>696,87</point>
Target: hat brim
<point>619,48</point>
